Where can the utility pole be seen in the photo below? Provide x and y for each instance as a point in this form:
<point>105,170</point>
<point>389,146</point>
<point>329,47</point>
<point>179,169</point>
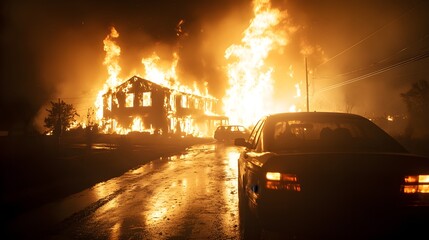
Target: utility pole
<point>306,84</point>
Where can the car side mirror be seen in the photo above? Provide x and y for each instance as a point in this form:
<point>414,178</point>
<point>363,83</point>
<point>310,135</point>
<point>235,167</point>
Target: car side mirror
<point>241,142</point>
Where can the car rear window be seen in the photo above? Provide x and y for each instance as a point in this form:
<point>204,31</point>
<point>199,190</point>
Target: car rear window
<point>345,134</point>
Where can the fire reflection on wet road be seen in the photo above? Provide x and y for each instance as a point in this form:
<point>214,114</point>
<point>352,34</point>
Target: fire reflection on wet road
<point>191,196</point>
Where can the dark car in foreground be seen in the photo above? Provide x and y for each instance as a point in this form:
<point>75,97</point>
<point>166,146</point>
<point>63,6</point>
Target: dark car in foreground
<point>230,132</point>
<point>323,175</point>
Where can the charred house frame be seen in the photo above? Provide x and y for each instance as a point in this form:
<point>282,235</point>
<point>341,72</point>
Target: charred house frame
<point>159,108</point>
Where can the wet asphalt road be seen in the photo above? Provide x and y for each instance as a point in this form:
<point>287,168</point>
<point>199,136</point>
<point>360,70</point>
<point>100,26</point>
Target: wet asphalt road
<point>187,196</point>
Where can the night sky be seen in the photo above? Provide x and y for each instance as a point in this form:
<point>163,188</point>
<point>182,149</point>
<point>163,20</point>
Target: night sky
<point>51,49</point>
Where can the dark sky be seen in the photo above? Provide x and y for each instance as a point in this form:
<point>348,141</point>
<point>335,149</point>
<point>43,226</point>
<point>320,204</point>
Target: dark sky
<point>52,49</point>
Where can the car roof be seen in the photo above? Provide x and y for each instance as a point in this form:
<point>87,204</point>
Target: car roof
<point>314,115</point>
<point>233,125</point>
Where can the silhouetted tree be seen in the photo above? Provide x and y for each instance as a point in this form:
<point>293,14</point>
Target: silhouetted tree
<point>61,116</point>
<point>417,101</point>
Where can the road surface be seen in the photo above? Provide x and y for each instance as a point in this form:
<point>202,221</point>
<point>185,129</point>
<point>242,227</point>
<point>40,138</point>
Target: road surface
<point>187,196</point>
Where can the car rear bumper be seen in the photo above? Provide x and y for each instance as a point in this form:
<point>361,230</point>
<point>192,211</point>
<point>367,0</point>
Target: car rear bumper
<point>320,219</point>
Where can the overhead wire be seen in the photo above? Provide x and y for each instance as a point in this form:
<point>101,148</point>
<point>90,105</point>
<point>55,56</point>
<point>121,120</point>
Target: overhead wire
<point>378,62</point>
<point>390,67</point>
<point>381,70</point>
<point>367,37</point>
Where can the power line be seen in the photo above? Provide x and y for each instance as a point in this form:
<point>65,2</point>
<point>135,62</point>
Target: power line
<point>382,60</point>
<point>367,37</point>
<point>382,70</point>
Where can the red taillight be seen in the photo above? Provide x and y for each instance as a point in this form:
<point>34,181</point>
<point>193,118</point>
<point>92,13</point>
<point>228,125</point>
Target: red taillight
<point>415,184</point>
<point>282,181</point>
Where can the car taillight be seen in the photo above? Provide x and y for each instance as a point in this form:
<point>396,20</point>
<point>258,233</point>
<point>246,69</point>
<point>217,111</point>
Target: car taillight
<point>282,181</point>
<point>415,184</point>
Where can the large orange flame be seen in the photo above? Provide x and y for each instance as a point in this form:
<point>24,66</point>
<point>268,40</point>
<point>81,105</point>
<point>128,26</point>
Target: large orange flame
<point>250,93</point>
<point>154,72</point>
<point>111,60</point>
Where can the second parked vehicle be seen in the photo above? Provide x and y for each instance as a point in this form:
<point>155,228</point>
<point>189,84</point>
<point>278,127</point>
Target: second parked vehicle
<point>230,132</point>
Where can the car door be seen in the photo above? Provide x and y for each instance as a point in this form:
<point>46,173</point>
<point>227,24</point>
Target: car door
<point>248,166</point>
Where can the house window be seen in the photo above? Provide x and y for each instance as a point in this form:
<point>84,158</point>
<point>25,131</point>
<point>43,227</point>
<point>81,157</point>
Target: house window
<point>184,102</point>
<point>115,102</point>
<point>196,103</point>
<point>147,99</point>
<point>129,100</point>
<point>173,102</point>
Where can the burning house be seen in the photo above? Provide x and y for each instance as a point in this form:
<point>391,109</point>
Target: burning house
<point>144,106</point>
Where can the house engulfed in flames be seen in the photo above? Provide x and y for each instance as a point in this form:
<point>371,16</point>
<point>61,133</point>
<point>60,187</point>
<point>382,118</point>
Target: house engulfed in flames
<point>139,105</point>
